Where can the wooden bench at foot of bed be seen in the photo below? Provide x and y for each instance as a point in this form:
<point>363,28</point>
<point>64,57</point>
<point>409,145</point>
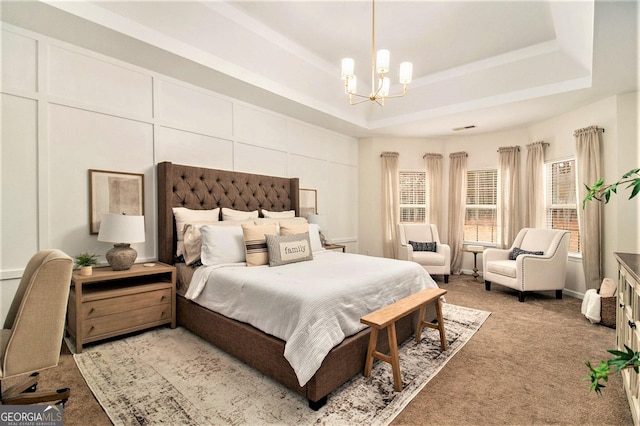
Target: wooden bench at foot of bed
<point>386,317</point>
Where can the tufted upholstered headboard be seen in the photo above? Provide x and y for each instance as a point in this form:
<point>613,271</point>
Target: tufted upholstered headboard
<point>202,188</point>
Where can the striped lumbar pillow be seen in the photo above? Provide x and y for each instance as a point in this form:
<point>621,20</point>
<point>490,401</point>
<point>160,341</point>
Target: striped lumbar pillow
<point>255,243</point>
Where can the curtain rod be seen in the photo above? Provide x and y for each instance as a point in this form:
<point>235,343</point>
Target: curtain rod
<point>516,147</point>
<point>538,142</point>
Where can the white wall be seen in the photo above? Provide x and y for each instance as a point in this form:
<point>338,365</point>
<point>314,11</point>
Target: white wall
<point>66,110</point>
<point>618,115</point>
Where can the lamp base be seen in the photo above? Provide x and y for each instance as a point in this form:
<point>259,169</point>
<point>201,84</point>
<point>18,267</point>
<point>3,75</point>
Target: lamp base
<point>121,257</point>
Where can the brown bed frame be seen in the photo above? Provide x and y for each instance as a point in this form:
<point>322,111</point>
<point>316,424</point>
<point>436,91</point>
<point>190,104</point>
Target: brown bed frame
<point>201,188</point>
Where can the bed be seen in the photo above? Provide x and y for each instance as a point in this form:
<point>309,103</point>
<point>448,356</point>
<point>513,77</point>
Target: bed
<point>202,188</point>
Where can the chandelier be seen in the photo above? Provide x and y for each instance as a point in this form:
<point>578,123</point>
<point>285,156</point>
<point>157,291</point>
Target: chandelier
<point>380,83</point>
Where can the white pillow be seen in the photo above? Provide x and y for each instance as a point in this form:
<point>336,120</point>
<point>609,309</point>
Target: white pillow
<point>278,215</point>
<point>314,236</point>
<point>222,244</point>
<point>184,216</point>
<point>192,247</point>
<point>230,214</point>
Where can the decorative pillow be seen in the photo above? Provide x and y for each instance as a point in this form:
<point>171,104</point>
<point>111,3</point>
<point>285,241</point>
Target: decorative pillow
<point>278,215</point>
<point>255,243</point>
<point>607,288</point>
<point>222,244</point>
<point>289,220</point>
<point>423,246</point>
<point>289,249</point>
<point>293,228</point>
<point>517,251</point>
<point>184,215</point>
<point>314,237</point>
<point>230,214</point>
<point>192,244</point>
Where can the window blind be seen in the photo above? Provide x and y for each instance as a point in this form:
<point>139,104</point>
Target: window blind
<point>480,213</point>
<point>412,197</point>
<point>560,199</point>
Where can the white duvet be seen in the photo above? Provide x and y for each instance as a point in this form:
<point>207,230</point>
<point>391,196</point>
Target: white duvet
<point>312,305</point>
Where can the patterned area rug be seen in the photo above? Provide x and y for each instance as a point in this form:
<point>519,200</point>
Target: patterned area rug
<point>166,376</point>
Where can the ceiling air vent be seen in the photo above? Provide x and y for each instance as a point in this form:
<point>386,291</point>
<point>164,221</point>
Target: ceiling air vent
<point>473,126</point>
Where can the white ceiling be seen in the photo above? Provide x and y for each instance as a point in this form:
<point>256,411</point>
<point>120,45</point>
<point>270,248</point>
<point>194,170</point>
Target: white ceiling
<point>493,64</point>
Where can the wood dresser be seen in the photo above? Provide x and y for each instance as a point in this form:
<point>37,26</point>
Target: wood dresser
<point>627,322</point>
<point>110,303</point>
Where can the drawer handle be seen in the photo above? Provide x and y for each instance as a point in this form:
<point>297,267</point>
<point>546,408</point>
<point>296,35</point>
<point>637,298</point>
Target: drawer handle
<point>622,305</point>
<point>91,310</point>
<point>632,324</point>
<point>162,298</point>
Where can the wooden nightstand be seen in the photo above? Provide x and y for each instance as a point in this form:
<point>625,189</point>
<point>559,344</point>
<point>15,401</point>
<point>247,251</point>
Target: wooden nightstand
<point>110,303</point>
<point>335,247</point>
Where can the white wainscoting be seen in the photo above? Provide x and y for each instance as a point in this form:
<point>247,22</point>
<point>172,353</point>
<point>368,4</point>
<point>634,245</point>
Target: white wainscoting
<point>66,110</point>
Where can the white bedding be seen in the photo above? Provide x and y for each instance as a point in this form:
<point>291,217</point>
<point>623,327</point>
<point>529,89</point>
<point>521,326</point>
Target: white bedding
<point>312,305</point>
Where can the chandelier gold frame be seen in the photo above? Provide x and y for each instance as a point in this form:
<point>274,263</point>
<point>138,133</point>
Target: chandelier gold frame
<point>379,92</point>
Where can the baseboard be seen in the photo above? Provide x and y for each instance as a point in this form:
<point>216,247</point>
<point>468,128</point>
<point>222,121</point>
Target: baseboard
<point>573,293</point>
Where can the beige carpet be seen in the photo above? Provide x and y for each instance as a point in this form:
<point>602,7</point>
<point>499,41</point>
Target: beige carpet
<point>166,376</point>
<point>523,367</point>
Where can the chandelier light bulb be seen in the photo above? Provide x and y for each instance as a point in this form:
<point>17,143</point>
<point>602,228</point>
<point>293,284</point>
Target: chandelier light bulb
<point>406,71</point>
<point>382,61</point>
<point>385,84</point>
<point>352,84</point>
<point>348,66</point>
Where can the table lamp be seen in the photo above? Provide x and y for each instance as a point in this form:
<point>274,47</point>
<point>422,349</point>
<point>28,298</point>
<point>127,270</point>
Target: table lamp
<point>118,228</point>
<point>323,225</point>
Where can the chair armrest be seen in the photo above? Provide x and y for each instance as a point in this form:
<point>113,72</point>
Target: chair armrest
<point>405,251</point>
<point>444,250</point>
<point>491,254</point>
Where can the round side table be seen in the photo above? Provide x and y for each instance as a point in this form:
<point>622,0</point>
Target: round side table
<point>475,250</point>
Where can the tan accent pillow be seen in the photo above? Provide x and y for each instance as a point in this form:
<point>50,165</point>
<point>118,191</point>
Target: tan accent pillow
<point>608,288</point>
<point>255,243</point>
<point>278,215</point>
<point>184,216</point>
<point>293,228</point>
<point>230,214</point>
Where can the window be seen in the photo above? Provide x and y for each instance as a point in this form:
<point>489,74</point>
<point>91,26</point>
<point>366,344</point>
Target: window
<point>560,199</point>
<point>480,213</point>
<point>413,197</point>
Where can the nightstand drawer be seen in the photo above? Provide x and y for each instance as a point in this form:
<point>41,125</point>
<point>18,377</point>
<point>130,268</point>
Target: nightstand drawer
<point>132,302</point>
<point>111,325</point>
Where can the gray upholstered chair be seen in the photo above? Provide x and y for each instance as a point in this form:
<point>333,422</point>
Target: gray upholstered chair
<point>434,262</point>
<point>31,338</point>
<point>529,272</point>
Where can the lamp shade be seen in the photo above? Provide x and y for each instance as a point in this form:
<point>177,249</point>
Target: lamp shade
<point>121,228</point>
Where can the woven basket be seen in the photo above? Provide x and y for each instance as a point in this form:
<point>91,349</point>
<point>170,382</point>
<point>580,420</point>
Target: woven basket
<point>608,311</point>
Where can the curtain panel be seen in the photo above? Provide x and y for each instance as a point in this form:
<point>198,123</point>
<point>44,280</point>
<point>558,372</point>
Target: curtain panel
<point>390,203</point>
<point>534,214</point>
<point>508,195</point>
<point>457,203</point>
<point>588,160</point>
<point>433,175</point>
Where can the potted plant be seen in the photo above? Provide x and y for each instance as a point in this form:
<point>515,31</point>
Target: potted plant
<point>86,262</point>
<point>599,374</point>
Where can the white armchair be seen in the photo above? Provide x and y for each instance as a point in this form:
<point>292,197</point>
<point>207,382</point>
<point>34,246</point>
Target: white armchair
<point>530,272</point>
<point>435,263</point>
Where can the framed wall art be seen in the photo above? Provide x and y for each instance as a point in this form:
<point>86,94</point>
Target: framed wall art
<point>114,192</point>
<point>308,202</point>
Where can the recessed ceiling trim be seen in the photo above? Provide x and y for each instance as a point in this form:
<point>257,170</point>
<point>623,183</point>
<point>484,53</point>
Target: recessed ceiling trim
<point>496,61</point>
